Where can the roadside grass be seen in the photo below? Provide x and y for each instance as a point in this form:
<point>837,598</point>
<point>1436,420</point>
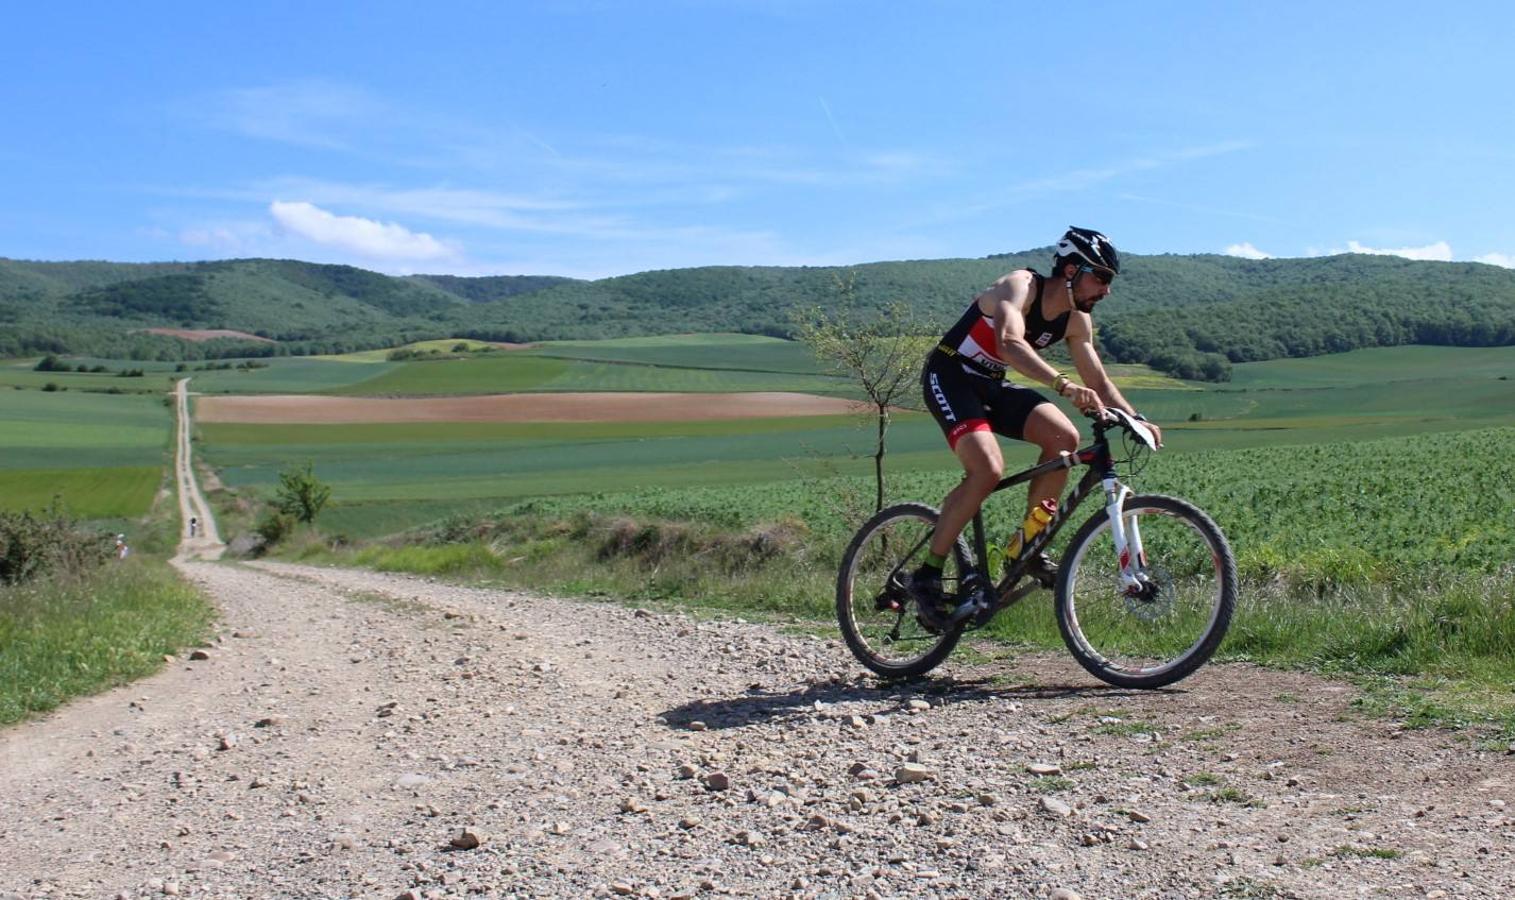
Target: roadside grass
<point>64,637</point>
<point>615,559</point>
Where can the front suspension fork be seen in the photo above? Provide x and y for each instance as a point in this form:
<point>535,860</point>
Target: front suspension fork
<point>1126,533</point>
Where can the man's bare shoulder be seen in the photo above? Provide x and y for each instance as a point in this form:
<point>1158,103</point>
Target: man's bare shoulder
<point>1020,277</point>
<point>1080,327</point>
<point>1012,287</point>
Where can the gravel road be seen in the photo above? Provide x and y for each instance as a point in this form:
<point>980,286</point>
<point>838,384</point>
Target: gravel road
<point>356,734</point>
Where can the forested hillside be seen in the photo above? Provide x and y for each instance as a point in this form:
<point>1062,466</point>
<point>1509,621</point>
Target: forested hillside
<point>1192,316</point>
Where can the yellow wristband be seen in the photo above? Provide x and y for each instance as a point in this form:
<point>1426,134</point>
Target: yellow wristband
<point>1057,387</point>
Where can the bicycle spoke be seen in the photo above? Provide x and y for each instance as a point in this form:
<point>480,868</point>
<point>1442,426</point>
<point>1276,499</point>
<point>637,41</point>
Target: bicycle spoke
<point>877,613</point>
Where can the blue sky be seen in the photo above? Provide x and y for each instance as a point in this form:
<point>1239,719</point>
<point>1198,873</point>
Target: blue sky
<point>591,138</point>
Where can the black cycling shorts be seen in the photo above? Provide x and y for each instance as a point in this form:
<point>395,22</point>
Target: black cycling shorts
<point>962,402</point>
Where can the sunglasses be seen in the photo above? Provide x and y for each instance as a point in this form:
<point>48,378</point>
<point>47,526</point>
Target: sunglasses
<point>1103,276</point>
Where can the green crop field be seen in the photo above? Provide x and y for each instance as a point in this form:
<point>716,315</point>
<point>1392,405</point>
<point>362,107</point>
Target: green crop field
<point>1381,365</point>
<point>397,475</point>
<point>286,375</point>
<point>695,351</point>
<point>465,461</point>
<point>121,492</point>
<point>102,454</point>
<point>278,375</point>
<point>1361,511</point>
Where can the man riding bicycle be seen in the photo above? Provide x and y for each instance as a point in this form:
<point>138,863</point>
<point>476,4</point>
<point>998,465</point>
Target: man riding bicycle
<point>1008,326</point>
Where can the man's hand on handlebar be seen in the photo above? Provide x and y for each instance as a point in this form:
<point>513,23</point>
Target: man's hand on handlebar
<point>1084,398</point>
<point>1106,417</point>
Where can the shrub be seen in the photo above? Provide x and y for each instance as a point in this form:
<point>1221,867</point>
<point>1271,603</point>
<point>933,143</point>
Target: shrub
<point>31,546</point>
<point>274,527</point>
<point>301,494</point>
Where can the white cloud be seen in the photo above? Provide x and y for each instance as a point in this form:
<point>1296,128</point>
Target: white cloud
<point>376,240</point>
<point>1246,251</point>
<point>1497,259</point>
<point>1441,251</point>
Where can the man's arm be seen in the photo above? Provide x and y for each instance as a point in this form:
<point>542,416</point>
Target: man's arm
<point>1004,301</point>
<point>1092,371</point>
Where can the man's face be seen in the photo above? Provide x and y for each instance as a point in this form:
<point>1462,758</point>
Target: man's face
<point>1093,287</point>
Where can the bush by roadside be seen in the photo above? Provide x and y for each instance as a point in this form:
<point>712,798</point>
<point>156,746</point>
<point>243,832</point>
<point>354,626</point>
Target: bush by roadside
<point>75,620</point>
<point>34,545</point>
<point>62,637</point>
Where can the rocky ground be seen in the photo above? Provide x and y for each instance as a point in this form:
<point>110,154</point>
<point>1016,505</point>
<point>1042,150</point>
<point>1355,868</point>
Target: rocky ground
<point>357,734</point>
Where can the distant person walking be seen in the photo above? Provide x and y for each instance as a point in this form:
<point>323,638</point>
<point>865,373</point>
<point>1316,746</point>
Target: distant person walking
<point>122,551</point>
<point>194,525</point>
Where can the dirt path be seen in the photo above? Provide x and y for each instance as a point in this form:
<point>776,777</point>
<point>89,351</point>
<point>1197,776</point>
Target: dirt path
<point>205,542</point>
<point>347,726</point>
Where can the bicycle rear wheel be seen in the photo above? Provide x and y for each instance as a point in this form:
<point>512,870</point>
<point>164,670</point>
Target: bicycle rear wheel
<point>874,608</point>
<point>1164,630</point>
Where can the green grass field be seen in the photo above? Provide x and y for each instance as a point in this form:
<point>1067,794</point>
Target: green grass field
<point>1381,365</point>
<point>121,492</point>
<point>101,454</point>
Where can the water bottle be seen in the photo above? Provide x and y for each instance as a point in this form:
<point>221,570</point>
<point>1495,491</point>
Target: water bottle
<point>1036,520</point>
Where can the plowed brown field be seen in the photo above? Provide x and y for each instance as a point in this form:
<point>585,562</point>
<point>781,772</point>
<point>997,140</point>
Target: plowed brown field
<point>587,407</point>
<point>207,334</point>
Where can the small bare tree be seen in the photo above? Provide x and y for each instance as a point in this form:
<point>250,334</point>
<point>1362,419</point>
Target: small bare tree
<point>880,350</point>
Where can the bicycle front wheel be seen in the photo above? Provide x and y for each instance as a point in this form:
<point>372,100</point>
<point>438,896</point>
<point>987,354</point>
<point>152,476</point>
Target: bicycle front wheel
<point>876,613</point>
<point>1162,630</point>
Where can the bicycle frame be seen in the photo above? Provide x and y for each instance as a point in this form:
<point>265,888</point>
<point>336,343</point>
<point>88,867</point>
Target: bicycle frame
<point>1101,471</point>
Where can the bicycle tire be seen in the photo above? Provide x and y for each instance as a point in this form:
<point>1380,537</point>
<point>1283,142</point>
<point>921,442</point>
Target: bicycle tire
<point>1102,621</point>
<point>864,552</point>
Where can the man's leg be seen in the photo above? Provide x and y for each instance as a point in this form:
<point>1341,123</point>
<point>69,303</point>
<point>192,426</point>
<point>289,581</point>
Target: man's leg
<point>1049,429</point>
<point>984,466</point>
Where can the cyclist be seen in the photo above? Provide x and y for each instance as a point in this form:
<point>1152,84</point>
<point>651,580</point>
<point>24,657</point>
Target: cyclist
<point>1008,326</point>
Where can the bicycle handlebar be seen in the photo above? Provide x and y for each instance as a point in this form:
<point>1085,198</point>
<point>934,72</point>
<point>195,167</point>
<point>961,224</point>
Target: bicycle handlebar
<point>1113,417</point>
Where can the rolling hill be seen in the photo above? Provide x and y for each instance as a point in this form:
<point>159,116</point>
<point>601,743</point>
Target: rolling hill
<point>1190,315</point>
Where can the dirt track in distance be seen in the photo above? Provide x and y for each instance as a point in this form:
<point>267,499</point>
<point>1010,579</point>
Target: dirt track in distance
<point>583,407</point>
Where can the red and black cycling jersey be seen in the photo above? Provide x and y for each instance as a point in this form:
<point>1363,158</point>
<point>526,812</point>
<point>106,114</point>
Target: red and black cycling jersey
<point>971,340</point>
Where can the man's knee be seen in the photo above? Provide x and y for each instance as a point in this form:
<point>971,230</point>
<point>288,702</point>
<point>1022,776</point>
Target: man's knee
<point>1059,440</point>
<point>983,477</point>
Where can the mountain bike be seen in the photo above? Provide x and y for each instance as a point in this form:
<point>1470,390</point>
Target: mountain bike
<point>1143,595</point>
